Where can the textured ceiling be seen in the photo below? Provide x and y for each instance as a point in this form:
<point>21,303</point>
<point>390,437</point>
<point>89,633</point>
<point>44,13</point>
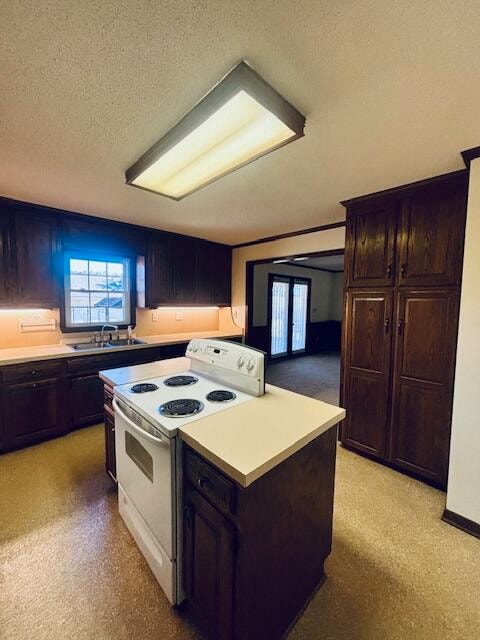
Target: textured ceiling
<point>390,91</point>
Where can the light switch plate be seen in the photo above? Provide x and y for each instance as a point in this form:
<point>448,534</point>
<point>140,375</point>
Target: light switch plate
<point>155,316</point>
<point>179,315</point>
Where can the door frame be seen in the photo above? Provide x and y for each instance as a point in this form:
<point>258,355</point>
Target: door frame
<point>291,281</point>
<point>249,274</point>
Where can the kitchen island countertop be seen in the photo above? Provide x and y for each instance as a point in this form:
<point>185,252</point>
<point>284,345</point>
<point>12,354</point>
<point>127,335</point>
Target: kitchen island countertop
<point>248,440</point>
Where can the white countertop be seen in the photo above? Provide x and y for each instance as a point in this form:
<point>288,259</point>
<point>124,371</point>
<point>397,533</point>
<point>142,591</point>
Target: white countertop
<point>248,440</point>
<point>16,355</point>
<point>127,375</point>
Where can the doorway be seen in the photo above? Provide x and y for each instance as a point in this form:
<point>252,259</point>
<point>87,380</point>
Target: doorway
<point>288,315</point>
<point>294,314</point>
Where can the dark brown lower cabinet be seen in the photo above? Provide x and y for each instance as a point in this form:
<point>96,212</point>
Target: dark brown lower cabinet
<point>423,381</point>
<point>34,411</point>
<point>109,421</point>
<point>398,374</point>
<point>254,556</point>
<point>87,400</point>
<point>368,347</point>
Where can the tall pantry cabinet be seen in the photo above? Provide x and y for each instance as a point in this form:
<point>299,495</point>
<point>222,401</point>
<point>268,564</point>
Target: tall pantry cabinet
<point>403,267</point>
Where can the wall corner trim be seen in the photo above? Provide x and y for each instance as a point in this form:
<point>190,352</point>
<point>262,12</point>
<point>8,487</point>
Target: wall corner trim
<point>464,524</point>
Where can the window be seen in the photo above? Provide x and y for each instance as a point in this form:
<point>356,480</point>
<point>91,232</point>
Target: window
<point>97,291</point>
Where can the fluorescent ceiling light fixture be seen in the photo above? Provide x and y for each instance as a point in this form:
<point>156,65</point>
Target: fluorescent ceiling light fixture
<point>239,120</point>
<point>301,258</point>
<point>280,261</point>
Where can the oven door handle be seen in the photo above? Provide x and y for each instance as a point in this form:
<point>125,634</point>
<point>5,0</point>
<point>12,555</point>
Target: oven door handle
<point>159,441</point>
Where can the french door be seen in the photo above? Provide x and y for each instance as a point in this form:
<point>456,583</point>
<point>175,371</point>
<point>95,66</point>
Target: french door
<point>289,315</point>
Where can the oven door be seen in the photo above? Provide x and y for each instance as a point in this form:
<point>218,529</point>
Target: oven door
<point>146,473</point>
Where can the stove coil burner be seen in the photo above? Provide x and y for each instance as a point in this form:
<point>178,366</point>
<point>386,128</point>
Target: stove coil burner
<point>181,408</point>
<point>180,381</point>
<point>221,395</point>
<point>143,387</point>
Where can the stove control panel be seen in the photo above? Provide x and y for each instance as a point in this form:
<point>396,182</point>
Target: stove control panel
<point>236,361</point>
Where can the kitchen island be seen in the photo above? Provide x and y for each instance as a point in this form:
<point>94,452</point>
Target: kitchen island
<point>258,500</point>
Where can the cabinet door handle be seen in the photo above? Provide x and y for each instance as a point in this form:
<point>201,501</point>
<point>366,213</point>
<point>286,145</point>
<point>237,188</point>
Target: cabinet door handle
<point>203,481</point>
<point>389,270</point>
<point>188,511</point>
<point>403,270</point>
<point>400,327</point>
<point>387,325</point>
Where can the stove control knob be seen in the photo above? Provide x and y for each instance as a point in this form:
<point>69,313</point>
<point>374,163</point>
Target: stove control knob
<point>250,364</point>
<point>241,361</point>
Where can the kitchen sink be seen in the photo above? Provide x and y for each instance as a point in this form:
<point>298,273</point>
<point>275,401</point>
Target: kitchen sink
<point>90,346</point>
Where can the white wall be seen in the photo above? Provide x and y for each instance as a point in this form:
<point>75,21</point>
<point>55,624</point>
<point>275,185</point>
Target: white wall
<point>324,294</point>
<point>463,497</point>
<point>306,243</point>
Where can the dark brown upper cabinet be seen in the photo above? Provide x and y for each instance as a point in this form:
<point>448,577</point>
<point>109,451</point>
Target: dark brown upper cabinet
<point>423,379</point>
<point>5,257</point>
<point>431,236</point>
<point>37,260</point>
<point>184,271</point>
<point>368,339</point>
<point>370,244</point>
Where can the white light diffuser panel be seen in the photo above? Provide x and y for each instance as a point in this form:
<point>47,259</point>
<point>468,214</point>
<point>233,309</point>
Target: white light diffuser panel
<point>241,119</point>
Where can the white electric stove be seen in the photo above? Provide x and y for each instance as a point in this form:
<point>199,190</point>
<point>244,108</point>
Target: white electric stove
<point>148,415</point>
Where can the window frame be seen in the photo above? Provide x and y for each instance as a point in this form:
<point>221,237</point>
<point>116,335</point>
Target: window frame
<point>65,290</point>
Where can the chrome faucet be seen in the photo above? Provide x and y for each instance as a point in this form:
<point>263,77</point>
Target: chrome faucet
<point>109,326</point>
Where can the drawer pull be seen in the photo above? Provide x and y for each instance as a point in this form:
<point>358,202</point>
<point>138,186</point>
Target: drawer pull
<point>203,482</point>
<point>34,372</point>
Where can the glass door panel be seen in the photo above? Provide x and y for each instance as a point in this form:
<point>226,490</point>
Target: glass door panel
<point>299,316</point>
<point>279,318</point>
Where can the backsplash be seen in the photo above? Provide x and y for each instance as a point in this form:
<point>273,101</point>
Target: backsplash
<point>166,322</point>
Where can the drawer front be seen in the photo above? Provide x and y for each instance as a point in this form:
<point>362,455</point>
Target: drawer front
<point>218,489</point>
<point>30,371</point>
<point>109,360</point>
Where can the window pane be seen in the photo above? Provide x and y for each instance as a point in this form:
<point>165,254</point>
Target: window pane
<point>97,268</point>
<point>79,282</point>
<point>115,300</point>
<point>80,315</point>
<point>115,283</point>
<point>79,299</point>
<point>98,283</point>
<point>98,315</point>
<point>115,269</point>
<point>78,266</point>
<point>115,315</point>
<point>98,300</point>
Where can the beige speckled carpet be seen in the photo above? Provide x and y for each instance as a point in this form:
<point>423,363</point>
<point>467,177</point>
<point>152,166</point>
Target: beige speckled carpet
<point>69,569</point>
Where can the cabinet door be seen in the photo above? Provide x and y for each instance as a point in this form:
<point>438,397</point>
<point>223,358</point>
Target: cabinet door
<point>214,269</point>
<point>110,458</point>
<point>36,260</point>
<point>6,286</point>
<point>370,245</point>
<point>184,270</point>
<point>432,235</point>
<point>423,384</point>
<point>367,371</point>
<point>87,400</point>
<point>208,565</point>
<point>158,270</point>
<point>34,411</point>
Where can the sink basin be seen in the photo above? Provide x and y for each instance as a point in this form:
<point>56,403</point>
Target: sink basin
<point>89,346</point>
<point>125,342</point>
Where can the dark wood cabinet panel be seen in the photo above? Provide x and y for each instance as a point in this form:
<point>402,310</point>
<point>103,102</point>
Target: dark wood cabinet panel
<point>158,270</point>
<point>214,272</point>
<point>110,456</point>
<point>424,371</point>
<point>6,292</point>
<point>432,235</point>
<point>34,411</point>
<point>367,370</point>
<point>36,253</point>
<point>184,265</point>
<point>370,245</point>
<point>209,565</point>
<point>87,400</point>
